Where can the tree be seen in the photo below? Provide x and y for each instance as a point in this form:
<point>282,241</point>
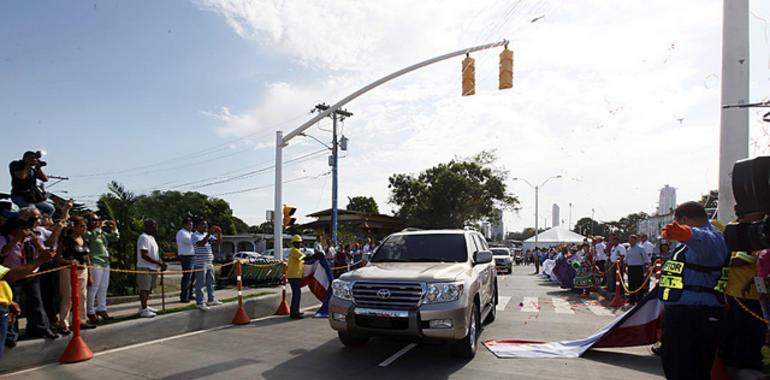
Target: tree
<point>168,209</point>
<point>587,226</point>
<point>710,200</point>
<point>452,195</point>
<point>366,205</point>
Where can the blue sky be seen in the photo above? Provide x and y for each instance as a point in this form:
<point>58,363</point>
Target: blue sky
<point>159,94</point>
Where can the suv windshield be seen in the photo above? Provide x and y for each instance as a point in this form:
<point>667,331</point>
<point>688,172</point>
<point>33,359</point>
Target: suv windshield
<point>422,248</point>
<point>500,251</point>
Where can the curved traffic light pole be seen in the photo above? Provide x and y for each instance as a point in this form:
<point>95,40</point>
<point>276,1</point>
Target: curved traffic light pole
<point>281,141</point>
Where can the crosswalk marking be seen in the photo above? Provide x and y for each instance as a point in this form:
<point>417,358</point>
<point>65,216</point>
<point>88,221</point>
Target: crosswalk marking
<point>562,306</point>
<point>502,302</point>
<point>529,305</point>
<point>599,309</point>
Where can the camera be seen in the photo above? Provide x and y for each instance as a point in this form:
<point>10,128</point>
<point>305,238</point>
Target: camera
<point>38,156</point>
<point>751,188</point>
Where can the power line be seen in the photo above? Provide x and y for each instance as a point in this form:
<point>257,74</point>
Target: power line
<point>198,153</point>
<point>271,185</point>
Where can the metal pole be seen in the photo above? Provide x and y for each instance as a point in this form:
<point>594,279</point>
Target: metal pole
<point>570,217</point>
<point>334,177</point>
<point>592,221</point>
<point>278,211</point>
<point>383,80</point>
<point>536,214</point>
<point>734,130</point>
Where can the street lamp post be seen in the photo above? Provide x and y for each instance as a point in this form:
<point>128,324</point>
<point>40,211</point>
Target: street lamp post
<point>537,200</point>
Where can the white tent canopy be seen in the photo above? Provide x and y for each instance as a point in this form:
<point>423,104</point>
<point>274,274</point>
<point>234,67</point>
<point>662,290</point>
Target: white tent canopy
<point>553,236</point>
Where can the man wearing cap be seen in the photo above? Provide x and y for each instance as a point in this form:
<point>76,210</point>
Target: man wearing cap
<point>691,289</point>
<point>294,272</point>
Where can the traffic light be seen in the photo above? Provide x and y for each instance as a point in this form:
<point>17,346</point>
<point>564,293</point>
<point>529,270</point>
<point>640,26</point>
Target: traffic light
<point>287,213</point>
<point>506,69</point>
<point>469,76</point>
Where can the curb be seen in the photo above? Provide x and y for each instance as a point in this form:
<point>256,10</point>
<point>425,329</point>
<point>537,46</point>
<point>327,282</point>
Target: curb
<point>38,352</point>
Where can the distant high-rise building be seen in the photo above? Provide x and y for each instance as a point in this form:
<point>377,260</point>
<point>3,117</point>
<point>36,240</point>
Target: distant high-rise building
<point>555,215</point>
<point>497,229</point>
<point>667,200</point>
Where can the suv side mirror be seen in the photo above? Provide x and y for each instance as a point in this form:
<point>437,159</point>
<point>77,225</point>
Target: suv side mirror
<point>482,257</point>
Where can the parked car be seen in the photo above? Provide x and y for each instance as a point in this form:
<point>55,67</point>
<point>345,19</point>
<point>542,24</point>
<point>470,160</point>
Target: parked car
<point>503,259</point>
<point>434,285</point>
<point>247,255</point>
<point>271,252</point>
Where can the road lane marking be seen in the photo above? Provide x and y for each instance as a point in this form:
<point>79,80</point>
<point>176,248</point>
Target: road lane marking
<point>502,302</point>
<point>598,309</point>
<point>398,354</point>
<point>562,306</point>
<point>161,340</point>
<point>529,305</point>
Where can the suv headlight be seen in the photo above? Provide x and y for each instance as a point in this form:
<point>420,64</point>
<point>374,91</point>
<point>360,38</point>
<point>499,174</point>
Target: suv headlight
<point>443,292</point>
<point>341,289</point>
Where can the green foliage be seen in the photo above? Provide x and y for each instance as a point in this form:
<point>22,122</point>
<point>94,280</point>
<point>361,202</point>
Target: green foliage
<point>363,204</point>
<point>168,209</point>
<point>451,195</point>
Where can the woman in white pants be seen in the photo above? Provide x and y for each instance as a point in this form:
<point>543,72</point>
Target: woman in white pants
<point>99,235</point>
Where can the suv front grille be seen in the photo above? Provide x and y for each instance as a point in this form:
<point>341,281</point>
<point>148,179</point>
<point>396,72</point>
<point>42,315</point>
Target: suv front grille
<point>401,295</point>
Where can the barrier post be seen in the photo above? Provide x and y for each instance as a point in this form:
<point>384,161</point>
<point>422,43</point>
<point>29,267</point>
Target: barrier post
<point>283,307</point>
<point>77,350</point>
<point>240,318</point>
<point>617,300</point>
<point>658,270</point>
<point>162,293</point>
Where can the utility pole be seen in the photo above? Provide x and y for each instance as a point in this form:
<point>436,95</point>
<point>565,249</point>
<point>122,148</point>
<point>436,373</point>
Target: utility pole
<point>337,115</point>
<point>537,232</point>
<point>734,130</point>
<point>570,217</point>
<point>593,222</point>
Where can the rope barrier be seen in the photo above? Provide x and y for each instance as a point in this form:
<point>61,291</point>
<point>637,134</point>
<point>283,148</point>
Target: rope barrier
<point>747,310</point>
<point>118,270</point>
<point>645,282</point>
<point>47,271</point>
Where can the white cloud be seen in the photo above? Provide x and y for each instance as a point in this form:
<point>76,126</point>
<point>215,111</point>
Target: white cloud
<point>599,88</point>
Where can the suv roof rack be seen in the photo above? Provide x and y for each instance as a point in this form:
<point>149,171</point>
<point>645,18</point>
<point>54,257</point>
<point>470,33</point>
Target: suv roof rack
<point>409,229</point>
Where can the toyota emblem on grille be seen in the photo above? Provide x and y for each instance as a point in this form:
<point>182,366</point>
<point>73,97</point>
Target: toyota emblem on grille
<point>383,294</point>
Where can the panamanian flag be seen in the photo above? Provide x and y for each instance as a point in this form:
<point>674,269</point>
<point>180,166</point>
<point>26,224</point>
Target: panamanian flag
<point>637,327</point>
<point>318,278</point>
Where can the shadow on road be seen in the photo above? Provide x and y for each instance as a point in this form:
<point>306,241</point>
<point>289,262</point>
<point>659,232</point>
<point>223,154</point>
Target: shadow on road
<point>647,364</point>
<point>213,370</point>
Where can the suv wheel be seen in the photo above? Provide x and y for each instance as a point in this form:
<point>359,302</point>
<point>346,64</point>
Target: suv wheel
<point>466,347</point>
<point>493,311</point>
<point>352,340</point>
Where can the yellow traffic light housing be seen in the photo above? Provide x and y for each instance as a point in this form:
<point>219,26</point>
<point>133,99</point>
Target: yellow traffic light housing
<point>287,216</point>
<point>506,69</point>
<point>469,76</point>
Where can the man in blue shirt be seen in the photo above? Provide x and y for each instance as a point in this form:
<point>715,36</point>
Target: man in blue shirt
<point>636,260</point>
<point>691,291</point>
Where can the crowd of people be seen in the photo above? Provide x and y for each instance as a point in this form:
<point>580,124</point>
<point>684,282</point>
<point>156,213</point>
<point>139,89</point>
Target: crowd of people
<point>716,303</point>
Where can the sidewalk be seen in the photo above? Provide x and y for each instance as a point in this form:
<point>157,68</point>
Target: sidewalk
<point>130,310</point>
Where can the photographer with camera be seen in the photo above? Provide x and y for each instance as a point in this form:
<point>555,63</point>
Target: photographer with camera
<point>24,188</point>
<point>691,288</point>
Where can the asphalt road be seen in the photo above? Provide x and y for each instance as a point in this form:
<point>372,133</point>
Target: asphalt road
<point>278,348</point>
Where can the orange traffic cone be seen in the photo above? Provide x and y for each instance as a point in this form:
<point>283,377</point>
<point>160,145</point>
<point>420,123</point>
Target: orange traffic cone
<point>718,370</point>
<point>240,318</point>
<point>283,307</point>
<point>77,350</point>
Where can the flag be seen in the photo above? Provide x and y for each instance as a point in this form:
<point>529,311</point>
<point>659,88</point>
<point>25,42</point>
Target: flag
<point>636,327</point>
<point>318,277</point>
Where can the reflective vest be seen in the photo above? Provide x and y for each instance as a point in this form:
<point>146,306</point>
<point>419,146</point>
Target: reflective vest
<point>672,282</point>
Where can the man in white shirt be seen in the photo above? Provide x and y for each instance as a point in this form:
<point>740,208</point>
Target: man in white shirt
<point>649,248</point>
<point>601,255</point>
<point>186,253</point>
<point>147,260</point>
<point>618,251</point>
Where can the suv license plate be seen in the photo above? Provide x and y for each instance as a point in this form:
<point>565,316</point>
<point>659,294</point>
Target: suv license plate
<point>381,313</point>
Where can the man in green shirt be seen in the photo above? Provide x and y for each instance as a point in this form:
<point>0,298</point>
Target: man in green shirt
<point>98,237</point>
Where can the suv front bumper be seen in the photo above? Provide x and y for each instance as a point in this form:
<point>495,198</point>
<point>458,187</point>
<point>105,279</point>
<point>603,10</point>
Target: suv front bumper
<point>408,323</point>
